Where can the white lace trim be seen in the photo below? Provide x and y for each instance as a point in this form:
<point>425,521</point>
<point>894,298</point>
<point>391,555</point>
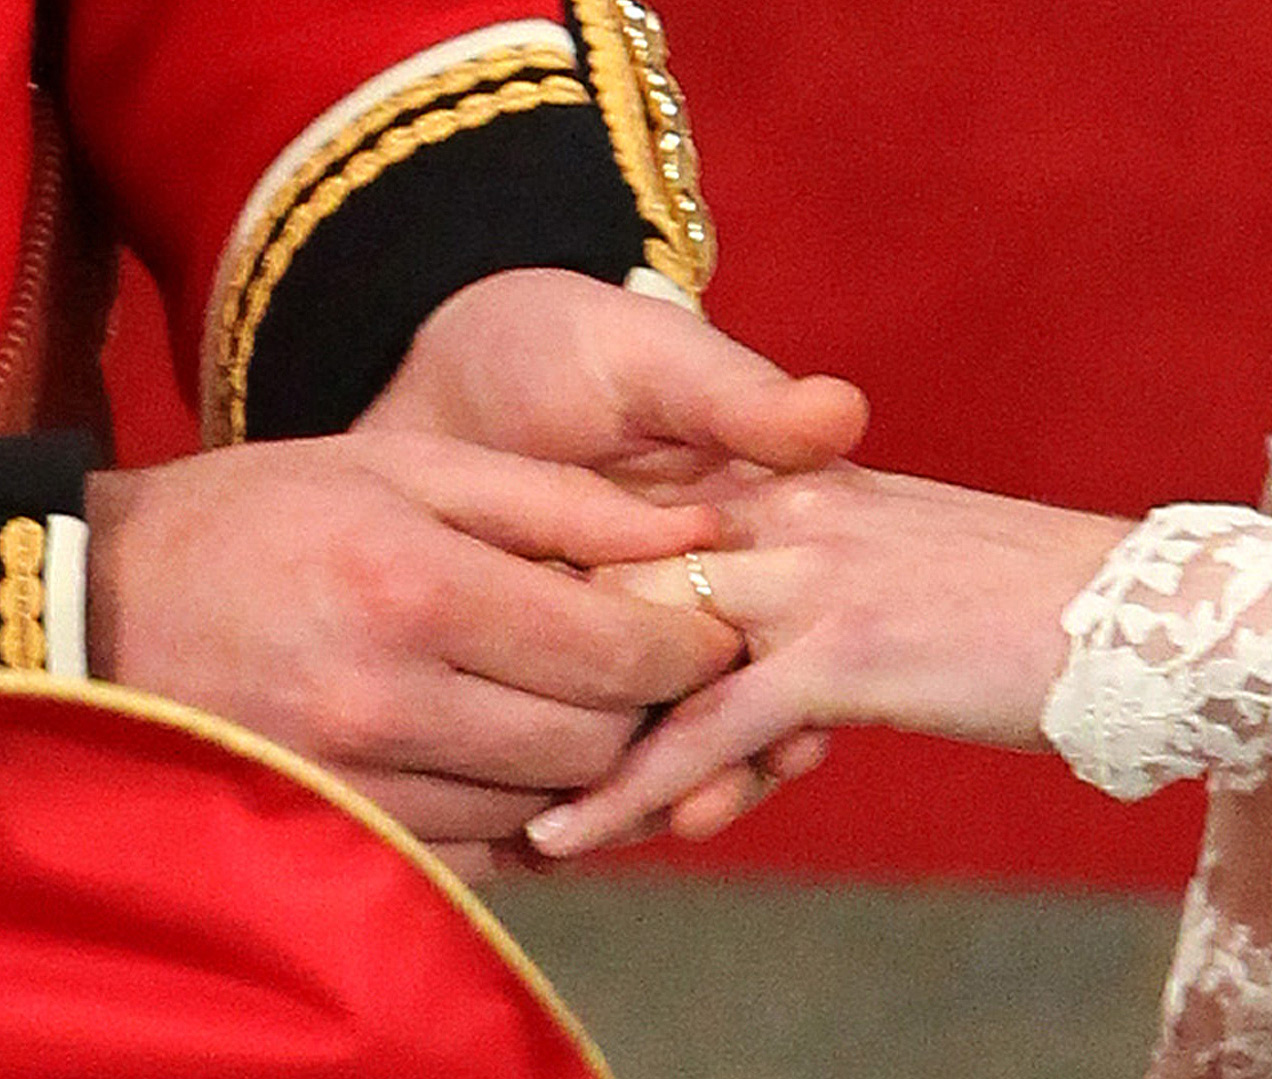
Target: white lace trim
<point>1170,662</point>
<point>1217,1005</point>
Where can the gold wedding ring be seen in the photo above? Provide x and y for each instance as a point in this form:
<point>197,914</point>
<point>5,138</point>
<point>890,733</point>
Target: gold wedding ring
<point>701,585</point>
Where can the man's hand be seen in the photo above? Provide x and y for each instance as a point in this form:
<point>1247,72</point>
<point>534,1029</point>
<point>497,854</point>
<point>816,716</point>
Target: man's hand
<point>556,366</point>
<point>377,602</point>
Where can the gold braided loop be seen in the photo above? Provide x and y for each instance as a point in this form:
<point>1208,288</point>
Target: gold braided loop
<point>22,643</point>
<point>649,130</point>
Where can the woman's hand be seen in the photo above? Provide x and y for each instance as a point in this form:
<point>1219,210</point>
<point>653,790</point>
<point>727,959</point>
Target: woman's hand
<point>864,598</point>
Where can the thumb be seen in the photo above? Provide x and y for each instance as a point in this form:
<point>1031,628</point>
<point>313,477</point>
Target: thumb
<point>688,382</point>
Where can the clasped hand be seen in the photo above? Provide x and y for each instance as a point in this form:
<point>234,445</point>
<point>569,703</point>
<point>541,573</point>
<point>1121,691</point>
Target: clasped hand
<point>385,600</point>
<point>391,601</point>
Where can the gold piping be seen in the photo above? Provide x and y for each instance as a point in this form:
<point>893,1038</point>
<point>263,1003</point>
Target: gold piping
<point>28,293</point>
<point>649,131</point>
<point>243,743</point>
<point>622,105</point>
<point>262,261</point>
<point>495,66</point>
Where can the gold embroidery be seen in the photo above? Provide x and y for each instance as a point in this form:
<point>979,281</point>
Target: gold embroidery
<point>264,259</point>
<point>645,113</point>
<point>22,644</point>
<point>495,66</point>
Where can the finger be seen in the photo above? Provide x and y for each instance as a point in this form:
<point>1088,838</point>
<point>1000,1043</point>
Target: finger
<point>653,825</point>
<point>536,509</point>
<point>544,632</point>
<point>440,809</point>
<point>722,799</point>
<point>688,382</point>
<point>791,507</point>
<point>734,792</point>
<point>435,719</point>
<point>724,724</point>
<point>686,477</point>
<point>796,755</point>
<point>748,588</point>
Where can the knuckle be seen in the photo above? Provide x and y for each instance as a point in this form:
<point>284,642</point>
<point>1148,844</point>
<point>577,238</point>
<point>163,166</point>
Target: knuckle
<point>861,638</point>
<point>803,506</point>
<point>391,592</point>
<point>429,605</point>
<point>355,723</point>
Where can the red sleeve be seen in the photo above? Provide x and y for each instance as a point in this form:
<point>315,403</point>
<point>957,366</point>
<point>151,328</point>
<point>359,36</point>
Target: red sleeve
<point>180,107</point>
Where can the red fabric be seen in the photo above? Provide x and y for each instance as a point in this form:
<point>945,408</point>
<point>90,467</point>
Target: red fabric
<point>153,422</point>
<point>1040,237</point>
<point>167,908</point>
<point>15,135</point>
<point>182,107</point>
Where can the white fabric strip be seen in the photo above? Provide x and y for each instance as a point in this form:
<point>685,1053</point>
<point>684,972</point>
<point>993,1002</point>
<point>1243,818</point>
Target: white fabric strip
<point>66,596</point>
<point>646,282</point>
<point>432,61</point>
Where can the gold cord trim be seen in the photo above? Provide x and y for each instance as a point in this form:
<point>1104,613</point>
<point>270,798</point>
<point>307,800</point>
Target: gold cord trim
<point>649,130</point>
<point>243,743</point>
<point>22,643</point>
<point>266,256</point>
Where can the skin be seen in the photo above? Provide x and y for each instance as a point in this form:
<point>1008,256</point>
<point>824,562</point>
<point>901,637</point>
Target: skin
<point>556,366</point>
<point>385,601</point>
<point>864,598</point>
<point>872,598</point>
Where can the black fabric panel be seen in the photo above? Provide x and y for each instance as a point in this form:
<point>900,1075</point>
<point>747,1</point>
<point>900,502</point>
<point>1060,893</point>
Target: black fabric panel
<point>43,473</point>
<point>539,188</point>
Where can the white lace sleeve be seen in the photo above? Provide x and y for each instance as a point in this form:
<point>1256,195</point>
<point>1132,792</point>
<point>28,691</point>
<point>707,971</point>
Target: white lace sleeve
<point>1216,1018</point>
<point>1170,664</point>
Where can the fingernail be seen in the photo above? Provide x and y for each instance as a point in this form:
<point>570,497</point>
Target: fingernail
<point>816,757</point>
<point>549,832</point>
<point>808,752</point>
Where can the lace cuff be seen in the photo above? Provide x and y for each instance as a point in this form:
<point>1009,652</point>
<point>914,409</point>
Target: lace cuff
<point>1170,663</point>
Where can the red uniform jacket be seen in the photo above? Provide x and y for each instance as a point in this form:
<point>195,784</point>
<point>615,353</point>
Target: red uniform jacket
<point>178,896</point>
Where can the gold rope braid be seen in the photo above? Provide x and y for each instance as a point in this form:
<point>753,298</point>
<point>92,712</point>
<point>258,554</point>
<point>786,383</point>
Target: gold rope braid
<point>22,643</point>
<point>259,271</point>
<point>495,66</point>
<point>649,131</point>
